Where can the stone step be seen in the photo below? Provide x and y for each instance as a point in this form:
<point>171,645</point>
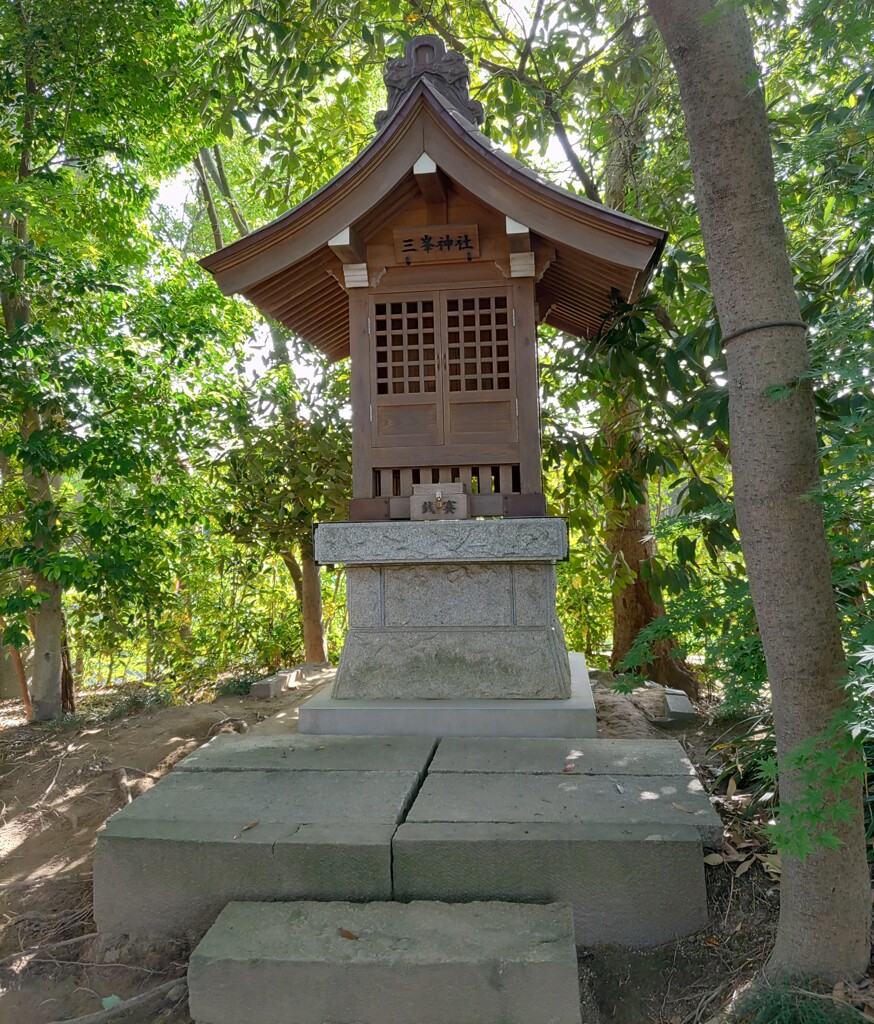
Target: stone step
<point>386,963</point>
<point>633,885</point>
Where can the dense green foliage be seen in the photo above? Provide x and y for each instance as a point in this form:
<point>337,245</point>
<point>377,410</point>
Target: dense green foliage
<point>189,447</point>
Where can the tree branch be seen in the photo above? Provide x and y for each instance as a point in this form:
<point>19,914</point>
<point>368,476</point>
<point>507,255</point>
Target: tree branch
<point>208,202</point>
<point>589,186</point>
<point>578,67</point>
<point>529,42</point>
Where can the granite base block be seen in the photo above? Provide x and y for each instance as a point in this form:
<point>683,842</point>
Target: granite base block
<point>573,717</point>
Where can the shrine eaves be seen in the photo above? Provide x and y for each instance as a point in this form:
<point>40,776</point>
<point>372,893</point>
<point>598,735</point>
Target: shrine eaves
<point>430,260</point>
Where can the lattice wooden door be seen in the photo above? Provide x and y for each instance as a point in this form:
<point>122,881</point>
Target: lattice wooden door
<point>406,388</point>
<point>480,383</point>
<point>443,373</point>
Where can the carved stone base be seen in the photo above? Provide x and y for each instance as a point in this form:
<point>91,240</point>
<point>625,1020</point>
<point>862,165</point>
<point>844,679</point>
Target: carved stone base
<point>457,610</point>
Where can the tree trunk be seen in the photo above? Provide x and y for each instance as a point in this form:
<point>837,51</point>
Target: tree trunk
<point>825,900</point>
<point>293,566</point>
<point>629,529</point>
<point>633,604</point>
<point>45,686</point>
<point>20,675</point>
<point>68,685</point>
<point>311,606</point>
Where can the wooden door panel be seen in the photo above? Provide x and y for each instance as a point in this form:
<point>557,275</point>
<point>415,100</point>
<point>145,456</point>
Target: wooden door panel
<point>407,409</point>
<point>409,420</point>
<point>480,393</point>
<point>481,420</point>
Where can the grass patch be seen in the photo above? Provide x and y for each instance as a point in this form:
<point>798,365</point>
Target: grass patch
<point>789,1005</point>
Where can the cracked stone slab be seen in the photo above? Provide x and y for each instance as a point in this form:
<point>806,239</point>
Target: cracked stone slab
<point>654,800</point>
<point>387,963</point>
<point>549,756</point>
<point>304,796</point>
<point>293,752</point>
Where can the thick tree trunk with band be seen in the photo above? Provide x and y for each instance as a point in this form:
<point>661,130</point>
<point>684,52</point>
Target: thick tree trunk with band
<point>825,900</point>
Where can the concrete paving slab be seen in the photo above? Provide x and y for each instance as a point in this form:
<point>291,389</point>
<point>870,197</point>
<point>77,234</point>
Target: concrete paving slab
<point>386,963</point>
<point>306,796</point>
<point>173,878</point>
<point>548,756</point>
<point>574,717</point>
<point>293,752</point>
<point>678,707</point>
<point>654,800</point>
<point>636,885</point>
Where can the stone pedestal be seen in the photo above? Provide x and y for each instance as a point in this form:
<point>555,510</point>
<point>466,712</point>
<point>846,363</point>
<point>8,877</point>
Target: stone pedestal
<point>450,610</point>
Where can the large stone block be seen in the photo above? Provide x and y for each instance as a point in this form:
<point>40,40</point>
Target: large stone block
<point>574,717</point>
<point>472,540</point>
<point>173,878</point>
<point>294,752</point>
<point>276,797</point>
<point>386,963</point>
<point>561,756</point>
<point>636,885</point>
<point>655,801</point>
<point>454,662</point>
<point>167,863</point>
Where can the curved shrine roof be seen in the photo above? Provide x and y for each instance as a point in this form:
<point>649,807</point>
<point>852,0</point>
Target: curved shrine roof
<point>288,270</point>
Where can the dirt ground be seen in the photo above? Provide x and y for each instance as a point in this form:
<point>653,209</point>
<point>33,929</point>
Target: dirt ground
<point>59,785</point>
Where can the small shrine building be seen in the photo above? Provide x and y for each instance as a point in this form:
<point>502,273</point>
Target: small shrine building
<point>430,260</point>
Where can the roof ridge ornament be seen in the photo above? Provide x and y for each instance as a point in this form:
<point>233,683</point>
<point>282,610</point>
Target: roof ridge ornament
<point>426,56</point>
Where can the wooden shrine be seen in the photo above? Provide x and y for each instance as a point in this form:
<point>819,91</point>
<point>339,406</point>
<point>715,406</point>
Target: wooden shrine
<point>430,260</point>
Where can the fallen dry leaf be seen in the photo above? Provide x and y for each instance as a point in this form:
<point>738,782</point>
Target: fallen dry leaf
<point>714,858</point>
<point>246,828</point>
<point>344,934</point>
<point>680,807</point>
<point>745,867</point>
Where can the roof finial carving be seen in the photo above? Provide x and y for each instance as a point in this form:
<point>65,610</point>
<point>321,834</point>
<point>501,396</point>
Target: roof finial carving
<point>447,72</point>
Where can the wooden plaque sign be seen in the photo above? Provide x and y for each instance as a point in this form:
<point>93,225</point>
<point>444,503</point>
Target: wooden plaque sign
<point>437,243</point>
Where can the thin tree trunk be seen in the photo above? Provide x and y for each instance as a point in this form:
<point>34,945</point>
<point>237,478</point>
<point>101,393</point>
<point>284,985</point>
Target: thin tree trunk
<point>628,535</point>
<point>313,631</point>
<point>20,675</point>
<point>293,566</point>
<point>68,685</point>
<point>825,900</point>
<point>211,211</point>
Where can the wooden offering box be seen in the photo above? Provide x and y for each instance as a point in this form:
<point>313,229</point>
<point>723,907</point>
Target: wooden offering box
<point>430,260</point>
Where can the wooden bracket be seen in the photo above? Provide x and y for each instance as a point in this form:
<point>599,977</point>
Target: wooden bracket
<point>355,275</point>
<point>430,180</point>
<point>521,253</point>
<point>348,246</point>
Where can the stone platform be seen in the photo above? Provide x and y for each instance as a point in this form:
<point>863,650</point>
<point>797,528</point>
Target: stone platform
<point>386,963</point>
<point>615,828</point>
<point>572,717</point>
